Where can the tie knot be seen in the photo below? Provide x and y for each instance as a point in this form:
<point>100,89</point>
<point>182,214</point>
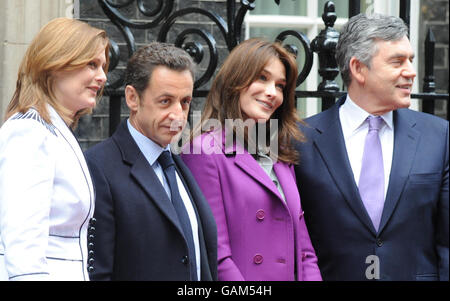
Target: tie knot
<point>165,159</point>
<point>375,122</point>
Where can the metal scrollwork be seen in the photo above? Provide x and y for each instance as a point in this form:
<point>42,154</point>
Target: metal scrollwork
<point>304,72</point>
<point>325,45</point>
<point>159,16</point>
<point>161,12</point>
<point>195,49</point>
<point>162,9</point>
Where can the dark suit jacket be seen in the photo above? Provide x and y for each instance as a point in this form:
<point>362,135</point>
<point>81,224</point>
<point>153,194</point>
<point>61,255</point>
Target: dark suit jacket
<point>413,239</point>
<point>138,235</point>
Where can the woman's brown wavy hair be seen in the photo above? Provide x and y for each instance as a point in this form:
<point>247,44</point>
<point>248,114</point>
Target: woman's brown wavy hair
<point>241,68</point>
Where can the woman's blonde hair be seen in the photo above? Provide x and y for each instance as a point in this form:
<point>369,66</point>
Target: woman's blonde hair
<point>63,44</point>
<point>241,68</point>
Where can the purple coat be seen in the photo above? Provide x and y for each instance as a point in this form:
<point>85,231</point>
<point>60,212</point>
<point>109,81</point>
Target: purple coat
<point>259,235</point>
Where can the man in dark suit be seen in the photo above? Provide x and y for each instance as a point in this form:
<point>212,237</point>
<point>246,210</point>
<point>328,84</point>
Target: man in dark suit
<point>152,220</point>
<point>373,175</point>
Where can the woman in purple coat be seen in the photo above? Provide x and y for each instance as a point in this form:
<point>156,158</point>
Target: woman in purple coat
<point>249,183</point>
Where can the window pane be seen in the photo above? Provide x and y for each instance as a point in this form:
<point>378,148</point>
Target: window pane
<point>367,6</point>
<point>286,7</point>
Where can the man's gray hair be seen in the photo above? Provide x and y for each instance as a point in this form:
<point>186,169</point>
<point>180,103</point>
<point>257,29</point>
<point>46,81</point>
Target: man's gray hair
<point>359,36</point>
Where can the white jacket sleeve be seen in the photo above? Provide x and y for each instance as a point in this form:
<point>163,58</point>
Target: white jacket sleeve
<point>26,185</point>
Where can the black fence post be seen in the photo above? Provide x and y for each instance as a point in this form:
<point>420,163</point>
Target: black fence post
<point>429,85</point>
<point>354,8</point>
<point>405,12</point>
<point>325,45</point>
<point>114,112</point>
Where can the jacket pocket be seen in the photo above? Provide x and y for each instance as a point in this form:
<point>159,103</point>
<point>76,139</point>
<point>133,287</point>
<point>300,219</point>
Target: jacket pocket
<point>427,277</point>
<point>425,178</point>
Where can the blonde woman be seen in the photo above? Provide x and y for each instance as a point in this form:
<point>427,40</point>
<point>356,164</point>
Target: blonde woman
<point>46,192</point>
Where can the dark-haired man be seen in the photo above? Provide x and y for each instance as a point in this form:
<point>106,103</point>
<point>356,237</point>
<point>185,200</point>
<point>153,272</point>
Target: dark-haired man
<point>152,221</point>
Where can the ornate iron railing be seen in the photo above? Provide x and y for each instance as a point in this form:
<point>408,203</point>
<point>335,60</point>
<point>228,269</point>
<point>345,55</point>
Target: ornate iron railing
<point>163,17</point>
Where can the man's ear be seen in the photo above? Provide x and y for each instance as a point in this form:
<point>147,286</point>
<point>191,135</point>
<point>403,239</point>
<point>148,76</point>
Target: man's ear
<point>132,98</point>
<point>358,70</point>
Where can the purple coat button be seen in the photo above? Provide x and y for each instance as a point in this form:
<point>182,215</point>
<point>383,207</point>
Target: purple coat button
<point>260,214</point>
<point>258,259</point>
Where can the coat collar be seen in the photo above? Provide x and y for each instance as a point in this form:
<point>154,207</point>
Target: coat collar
<point>246,162</point>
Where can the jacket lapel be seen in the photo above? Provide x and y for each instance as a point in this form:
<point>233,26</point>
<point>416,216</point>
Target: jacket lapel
<point>246,162</point>
<point>251,167</point>
<point>330,143</point>
<point>65,133</point>
<point>143,173</point>
<point>405,144</point>
<point>287,181</point>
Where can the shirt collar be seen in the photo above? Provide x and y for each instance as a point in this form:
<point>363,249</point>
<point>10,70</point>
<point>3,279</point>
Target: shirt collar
<point>354,116</point>
<point>148,147</point>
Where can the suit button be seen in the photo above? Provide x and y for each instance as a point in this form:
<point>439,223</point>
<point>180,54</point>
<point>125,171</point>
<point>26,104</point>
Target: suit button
<point>91,237</point>
<point>91,261</point>
<point>92,221</point>
<point>379,242</point>
<point>258,259</point>
<point>90,246</point>
<point>185,260</point>
<point>90,269</point>
<point>260,214</point>
<point>91,230</point>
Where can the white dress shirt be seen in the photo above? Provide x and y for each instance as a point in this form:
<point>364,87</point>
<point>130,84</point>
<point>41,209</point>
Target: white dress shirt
<point>151,152</point>
<point>355,128</point>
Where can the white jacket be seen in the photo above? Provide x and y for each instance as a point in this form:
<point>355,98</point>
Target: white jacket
<point>46,200</point>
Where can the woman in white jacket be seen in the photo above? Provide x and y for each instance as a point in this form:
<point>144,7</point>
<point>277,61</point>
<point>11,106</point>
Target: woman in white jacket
<point>46,192</point>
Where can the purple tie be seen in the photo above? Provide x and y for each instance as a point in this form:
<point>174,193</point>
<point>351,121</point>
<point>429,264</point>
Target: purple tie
<point>371,180</point>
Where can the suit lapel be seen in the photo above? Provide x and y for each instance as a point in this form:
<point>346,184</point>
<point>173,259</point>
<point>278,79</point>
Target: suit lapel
<point>146,177</point>
<point>143,173</point>
<point>287,182</point>
<point>330,143</point>
<point>405,144</point>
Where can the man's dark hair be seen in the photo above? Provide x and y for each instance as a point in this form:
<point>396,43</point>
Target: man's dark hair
<point>142,63</point>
